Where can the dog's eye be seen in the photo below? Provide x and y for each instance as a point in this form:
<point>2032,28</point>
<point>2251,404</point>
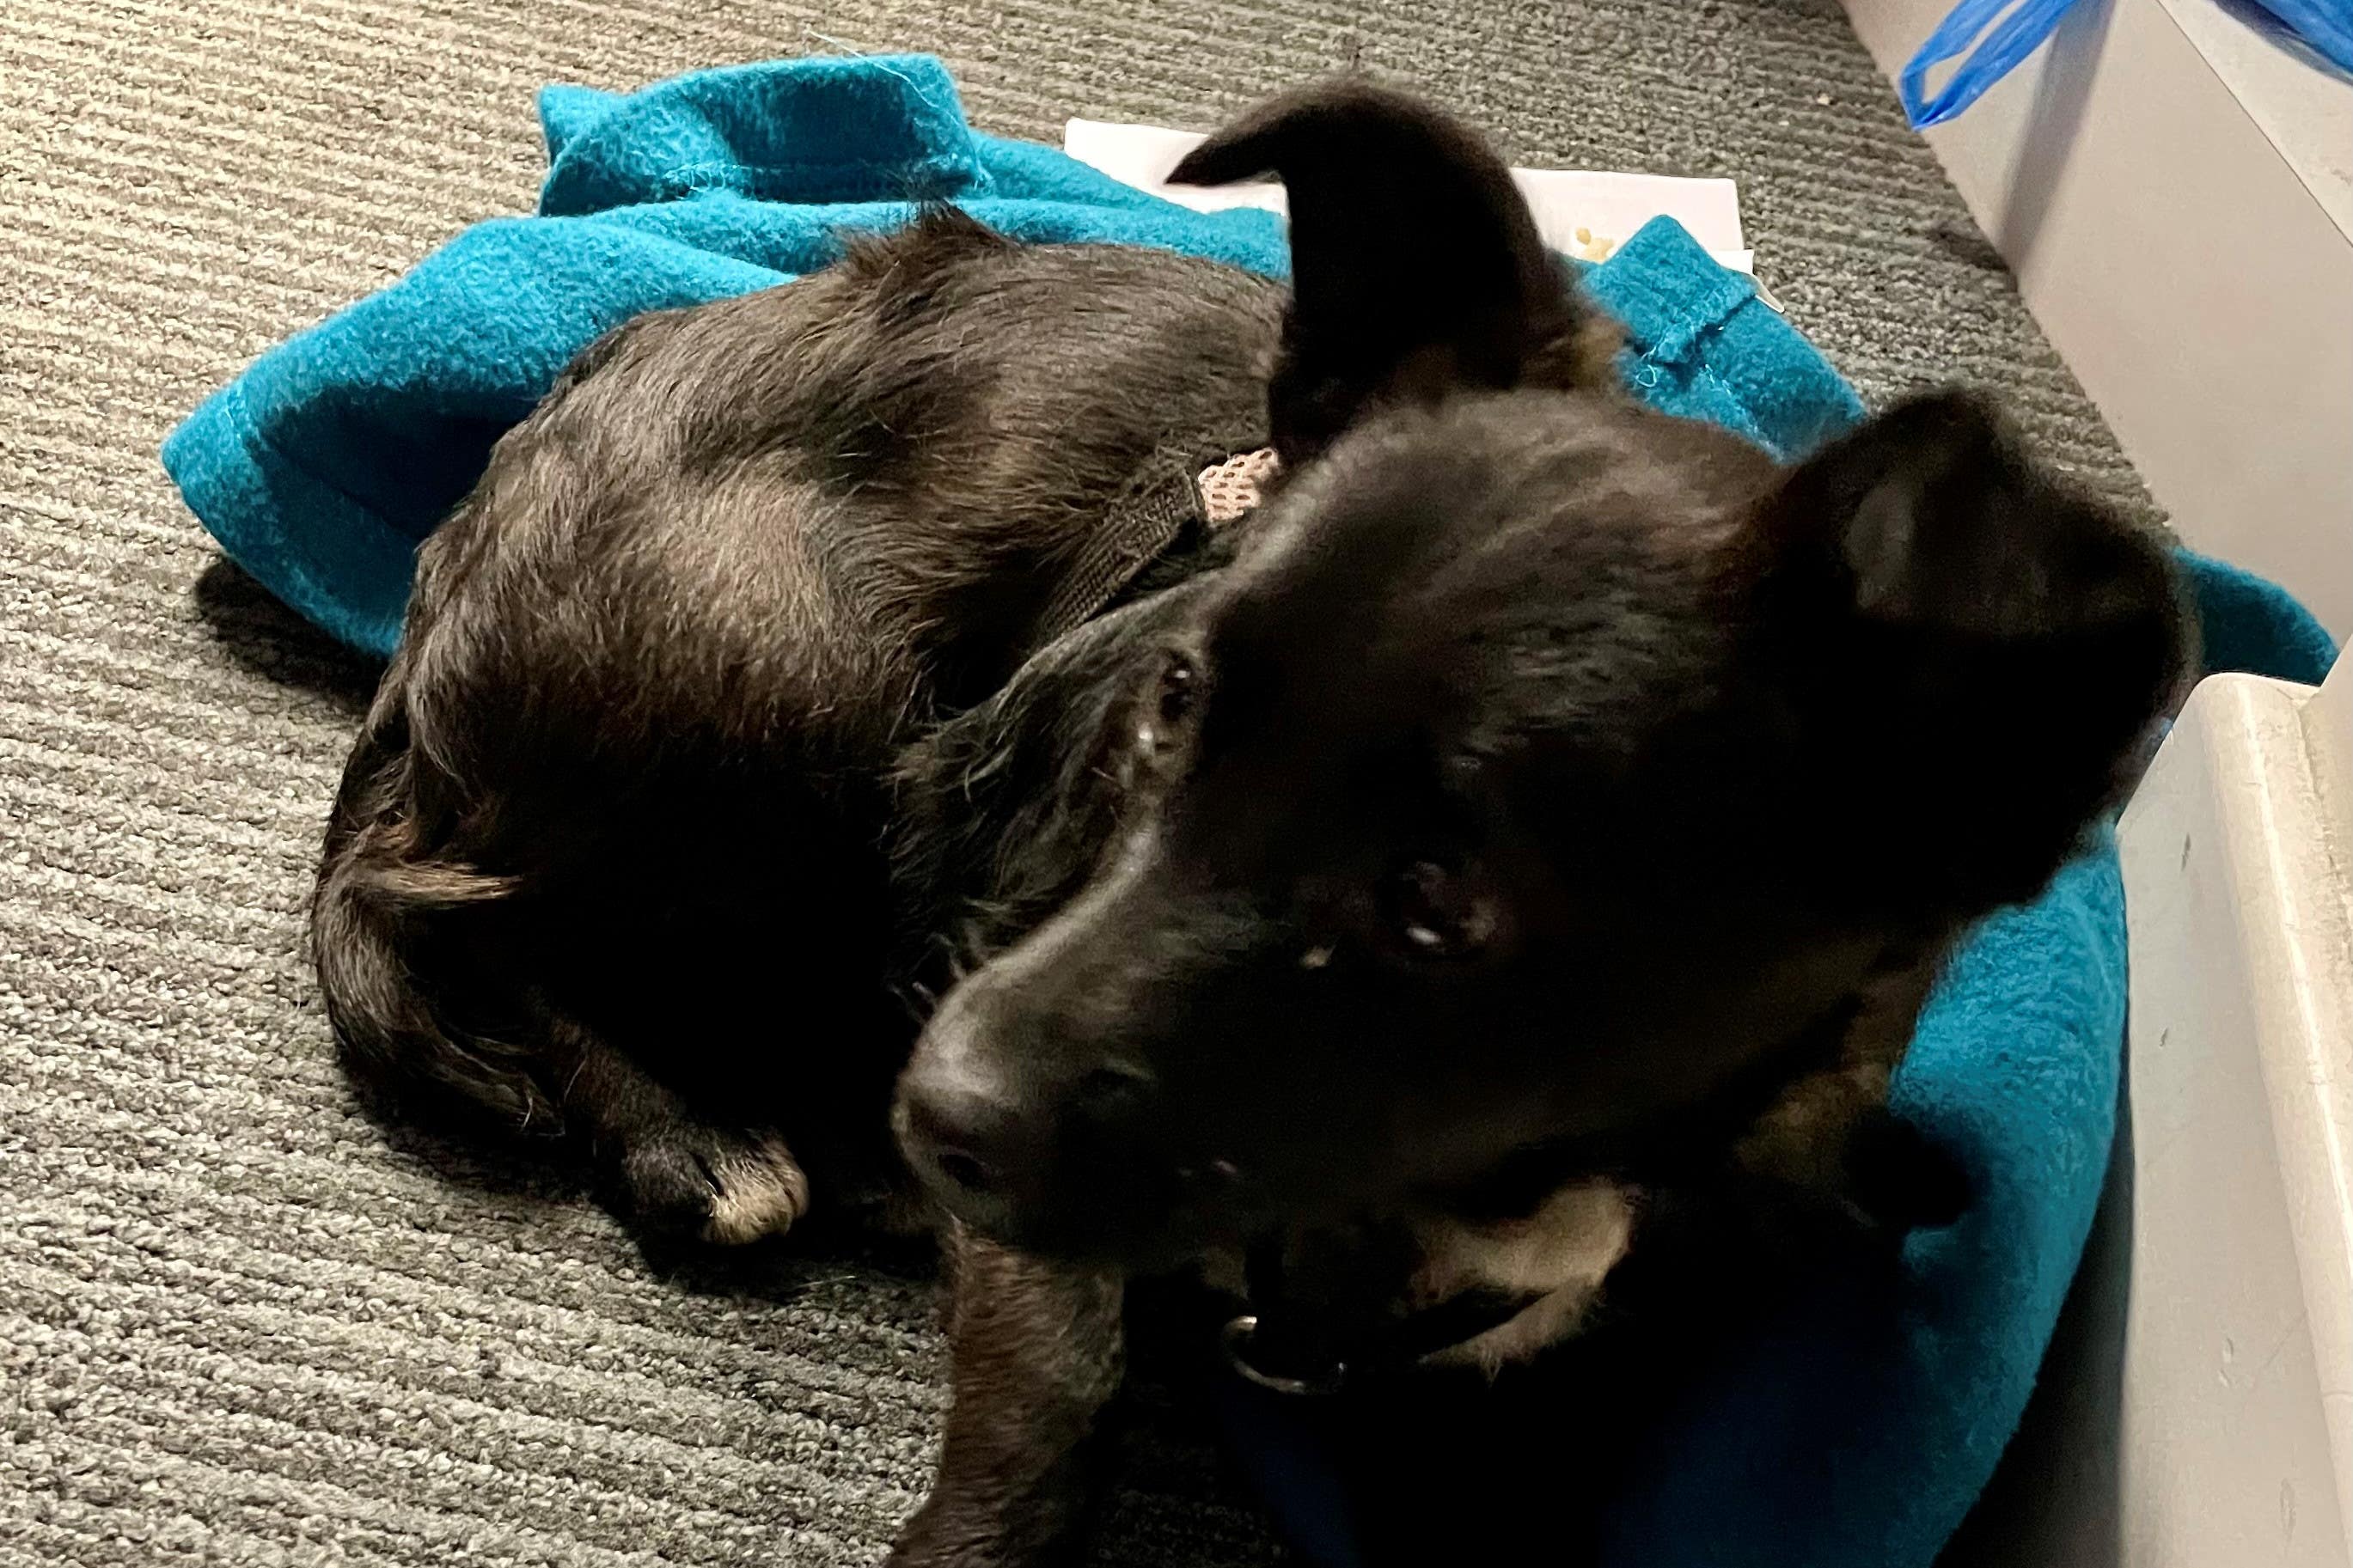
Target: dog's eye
<point>1179,683</point>
<point>1169,703</point>
<point>1436,913</point>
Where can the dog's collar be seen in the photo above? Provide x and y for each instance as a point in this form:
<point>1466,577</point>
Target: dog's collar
<point>1170,495</point>
<point>1319,1312</point>
<point>1295,1338</point>
<point>1322,1310</point>
<point>1274,1359</point>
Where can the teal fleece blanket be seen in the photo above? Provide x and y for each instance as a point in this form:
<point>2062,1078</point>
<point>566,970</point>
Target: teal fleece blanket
<point>1835,1444</point>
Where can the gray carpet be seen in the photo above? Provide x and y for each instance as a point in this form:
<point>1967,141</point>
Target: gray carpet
<point>239,1321</point>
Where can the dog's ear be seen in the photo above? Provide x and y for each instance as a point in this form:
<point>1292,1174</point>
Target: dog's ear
<point>1933,516</point>
<point>1416,268</point>
<point>1971,648</point>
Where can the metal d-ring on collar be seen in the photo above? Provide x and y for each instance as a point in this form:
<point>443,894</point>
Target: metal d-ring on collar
<point>1241,1334</point>
<point>1456,1320</point>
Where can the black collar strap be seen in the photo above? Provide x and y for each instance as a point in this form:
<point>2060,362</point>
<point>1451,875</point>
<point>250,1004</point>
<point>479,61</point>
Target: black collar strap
<point>1290,1343</point>
<point>1457,1321</point>
<point>1174,492</point>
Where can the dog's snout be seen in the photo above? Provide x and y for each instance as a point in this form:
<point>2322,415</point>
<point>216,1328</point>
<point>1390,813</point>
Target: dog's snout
<point>1015,1123</point>
<point>1031,1107</point>
<point>980,1143</point>
<point>961,1136</point>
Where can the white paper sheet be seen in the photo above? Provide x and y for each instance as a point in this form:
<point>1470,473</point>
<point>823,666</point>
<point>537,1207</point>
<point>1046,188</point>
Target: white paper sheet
<point>1579,212</point>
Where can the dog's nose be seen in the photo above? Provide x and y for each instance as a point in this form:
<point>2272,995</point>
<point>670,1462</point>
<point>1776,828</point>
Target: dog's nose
<point>961,1137</point>
<point>988,1147</point>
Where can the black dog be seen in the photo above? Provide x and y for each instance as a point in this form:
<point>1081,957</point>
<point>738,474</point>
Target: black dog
<point>1539,815</point>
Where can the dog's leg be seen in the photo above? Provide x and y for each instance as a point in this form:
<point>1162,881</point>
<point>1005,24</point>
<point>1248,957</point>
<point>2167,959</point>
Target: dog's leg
<point>671,1171</point>
<point>1037,1353</point>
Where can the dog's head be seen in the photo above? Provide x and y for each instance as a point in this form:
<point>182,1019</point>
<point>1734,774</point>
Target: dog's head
<point>1543,772</point>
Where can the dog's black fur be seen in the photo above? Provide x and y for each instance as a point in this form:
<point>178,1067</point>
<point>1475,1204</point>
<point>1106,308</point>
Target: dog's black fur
<point>1536,790</point>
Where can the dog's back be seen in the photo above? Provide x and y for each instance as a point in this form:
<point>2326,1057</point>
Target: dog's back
<point>623,783</point>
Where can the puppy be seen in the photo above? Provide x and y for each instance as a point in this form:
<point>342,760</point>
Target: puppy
<point>1538,816</point>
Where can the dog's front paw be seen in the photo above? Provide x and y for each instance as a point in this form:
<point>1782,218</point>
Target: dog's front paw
<point>724,1187</point>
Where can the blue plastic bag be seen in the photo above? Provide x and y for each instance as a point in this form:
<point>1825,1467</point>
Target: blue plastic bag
<point>2324,25</point>
<point>2013,39</point>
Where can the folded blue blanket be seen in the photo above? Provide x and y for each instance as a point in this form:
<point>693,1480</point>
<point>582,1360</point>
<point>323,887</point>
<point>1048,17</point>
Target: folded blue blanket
<point>321,467</point>
<point>1837,1444</point>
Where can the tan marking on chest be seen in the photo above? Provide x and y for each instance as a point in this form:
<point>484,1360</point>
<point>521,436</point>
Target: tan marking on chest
<point>1564,1250</point>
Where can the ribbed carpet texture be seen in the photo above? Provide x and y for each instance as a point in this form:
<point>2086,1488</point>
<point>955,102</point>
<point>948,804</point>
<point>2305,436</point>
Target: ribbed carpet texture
<point>239,1321</point>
